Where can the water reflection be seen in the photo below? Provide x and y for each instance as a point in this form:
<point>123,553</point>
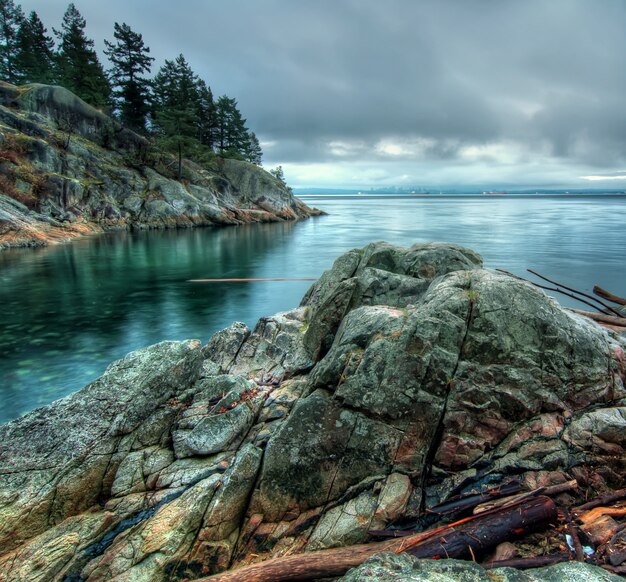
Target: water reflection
<point>68,311</point>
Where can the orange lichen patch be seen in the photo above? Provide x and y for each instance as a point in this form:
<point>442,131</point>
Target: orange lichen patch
<point>253,215</point>
<point>243,397</point>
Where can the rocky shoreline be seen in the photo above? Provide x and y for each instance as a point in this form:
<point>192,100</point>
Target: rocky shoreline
<point>406,377</point>
<point>66,169</point>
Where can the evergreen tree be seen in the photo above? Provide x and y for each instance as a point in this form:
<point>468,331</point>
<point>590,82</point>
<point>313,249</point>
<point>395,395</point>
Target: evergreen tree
<point>79,69</point>
<point>278,173</point>
<point>11,17</point>
<point>253,152</point>
<point>34,60</point>
<point>175,85</point>
<point>185,117</point>
<point>175,110</point>
<point>232,132</point>
<point>130,59</point>
<point>207,115</point>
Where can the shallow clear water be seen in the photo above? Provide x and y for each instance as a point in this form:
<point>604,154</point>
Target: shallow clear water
<point>66,312</point>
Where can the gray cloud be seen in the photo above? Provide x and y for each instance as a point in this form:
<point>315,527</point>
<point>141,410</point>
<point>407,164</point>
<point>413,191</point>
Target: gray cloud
<point>427,89</point>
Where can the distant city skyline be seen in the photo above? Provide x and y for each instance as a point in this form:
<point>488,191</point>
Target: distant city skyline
<point>364,94</point>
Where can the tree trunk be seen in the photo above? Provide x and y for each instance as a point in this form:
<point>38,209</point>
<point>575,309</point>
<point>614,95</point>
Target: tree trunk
<point>180,160</point>
<point>466,538</point>
<point>607,295</point>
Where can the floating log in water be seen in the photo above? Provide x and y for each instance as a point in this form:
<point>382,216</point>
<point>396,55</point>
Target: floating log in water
<point>467,537</point>
<point>262,279</point>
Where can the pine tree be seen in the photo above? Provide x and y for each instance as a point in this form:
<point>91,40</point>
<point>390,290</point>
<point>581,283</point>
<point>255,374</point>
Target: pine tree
<point>175,110</point>
<point>11,17</point>
<point>278,173</point>
<point>253,152</point>
<point>79,69</point>
<point>232,133</point>
<point>34,60</point>
<point>130,59</point>
<point>207,115</point>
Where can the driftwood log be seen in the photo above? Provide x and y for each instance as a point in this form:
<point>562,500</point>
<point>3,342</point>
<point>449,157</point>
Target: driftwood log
<point>611,319</point>
<point>466,502</point>
<point>617,319</point>
<point>556,290</point>
<point>468,537</point>
<point>549,490</point>
<point>608,295</point>
<point>602,500</point>
<point>578,293</point>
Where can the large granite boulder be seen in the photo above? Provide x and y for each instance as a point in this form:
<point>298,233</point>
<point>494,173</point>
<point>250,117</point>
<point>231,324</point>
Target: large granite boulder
<point>407,376</point>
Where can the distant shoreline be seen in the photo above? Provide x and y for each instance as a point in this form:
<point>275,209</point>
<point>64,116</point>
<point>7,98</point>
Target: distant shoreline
<point>470,195</point>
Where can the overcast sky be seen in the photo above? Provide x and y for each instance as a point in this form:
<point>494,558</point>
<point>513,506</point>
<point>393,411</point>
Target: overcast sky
<point>360,93</point>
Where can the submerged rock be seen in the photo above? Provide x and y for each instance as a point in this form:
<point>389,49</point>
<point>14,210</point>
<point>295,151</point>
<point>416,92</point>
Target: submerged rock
<point>79,171</point>
<point>406,376</point>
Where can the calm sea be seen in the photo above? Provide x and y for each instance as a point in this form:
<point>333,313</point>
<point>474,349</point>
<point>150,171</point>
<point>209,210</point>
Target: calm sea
<point>68,311</point>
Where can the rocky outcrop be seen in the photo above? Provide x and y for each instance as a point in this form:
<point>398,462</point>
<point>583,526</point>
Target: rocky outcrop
<point>405,377</point>
<point>23,227</point>
<point>82,171</point>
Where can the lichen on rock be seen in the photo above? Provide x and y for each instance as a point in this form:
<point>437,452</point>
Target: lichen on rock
<point>407,376</point>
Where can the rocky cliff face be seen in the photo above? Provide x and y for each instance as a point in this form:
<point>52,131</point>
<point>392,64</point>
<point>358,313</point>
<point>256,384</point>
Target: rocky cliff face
<point>405,377</point>
<point>67,169</point>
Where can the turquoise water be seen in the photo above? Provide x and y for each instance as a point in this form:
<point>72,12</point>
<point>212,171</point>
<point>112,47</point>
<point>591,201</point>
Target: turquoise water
<point>68,311</point>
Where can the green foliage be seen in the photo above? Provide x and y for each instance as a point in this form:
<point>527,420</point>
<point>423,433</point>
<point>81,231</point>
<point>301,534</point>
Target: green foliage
<point>11,17</point>
<point>130,59</point>
<point>207,115</point>
<point>254,153</point>
<point>231,126</point>
<point>278,173</point>
<point>176,106</point>
<point>79,69</point>
<point>34,59</point>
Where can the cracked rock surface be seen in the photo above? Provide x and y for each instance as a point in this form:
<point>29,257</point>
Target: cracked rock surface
<point>406,376</point>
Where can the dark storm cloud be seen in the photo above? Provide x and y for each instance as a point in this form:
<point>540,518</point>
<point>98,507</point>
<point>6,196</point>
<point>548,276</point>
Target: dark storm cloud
<point>403,80</point>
